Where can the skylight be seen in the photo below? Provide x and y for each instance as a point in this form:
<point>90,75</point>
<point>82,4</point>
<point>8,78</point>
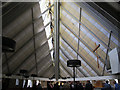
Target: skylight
<point>44,5</point>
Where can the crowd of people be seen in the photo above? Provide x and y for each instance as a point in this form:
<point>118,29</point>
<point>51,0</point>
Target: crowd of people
<point>107,86</point>
<point>76,86</point>
<point>63,85</point>
<point>80,86</point>
<point>70,86</point>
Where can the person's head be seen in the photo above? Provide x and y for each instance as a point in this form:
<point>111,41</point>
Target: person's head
<point>39,84</point>
<point>88,81</point>
<point>56,83</point>
<point>107,82</point>
<point>60,83</point>
<point>80,83</point>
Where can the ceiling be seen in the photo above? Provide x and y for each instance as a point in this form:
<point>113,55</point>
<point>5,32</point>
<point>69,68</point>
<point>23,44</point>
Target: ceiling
<point>82,29</point>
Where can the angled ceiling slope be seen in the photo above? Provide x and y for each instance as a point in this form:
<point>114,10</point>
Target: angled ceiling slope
<point>81,30</point>
<point>21,23</point>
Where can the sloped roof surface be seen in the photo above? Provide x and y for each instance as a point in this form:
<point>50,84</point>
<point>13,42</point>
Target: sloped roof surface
<point>32,51</point>
<point>81,31</point>
<point>78,23</point>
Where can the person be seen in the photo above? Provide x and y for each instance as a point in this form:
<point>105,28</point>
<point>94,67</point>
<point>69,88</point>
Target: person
<point>72,86</point>
<point>88,86</point>
<point>80,87</point>
<point>66,86</point>
<point>34,86</point>
<point>49,86</point>
<point>117,86</point>
<point>61,86</point>
<point>107,86</point>
<point>39,87</point>
<point>56,86</point>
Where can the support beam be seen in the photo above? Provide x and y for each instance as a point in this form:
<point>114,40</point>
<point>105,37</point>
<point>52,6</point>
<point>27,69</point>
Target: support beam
<point>34,43</point>
<point>106,58</point>
<point>94,69</point>
<point>21,77</point>
<point>79,69</point>
<point>70,79</point>
<point>94,78</point>
<point>56,30</point>
<point>79,35</point>
<point>1,48</point>
<point>79,30</point>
